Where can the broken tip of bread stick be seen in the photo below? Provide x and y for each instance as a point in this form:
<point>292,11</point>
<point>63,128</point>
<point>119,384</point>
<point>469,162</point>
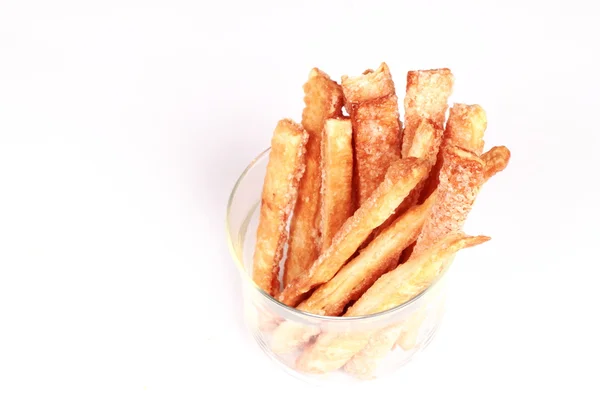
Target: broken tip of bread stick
<point>284,170</point>
<point>496,160</point>
<point>399,180</point>
<point>323,99</point>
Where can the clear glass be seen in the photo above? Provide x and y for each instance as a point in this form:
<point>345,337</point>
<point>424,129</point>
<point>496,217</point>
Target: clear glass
<point>416,321</point>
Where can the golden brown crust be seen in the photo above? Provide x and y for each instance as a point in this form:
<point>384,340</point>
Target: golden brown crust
<point>284,169</point>
<point>323,99</point>
<point>336,178</point>
<point>332,350</point>
<point>461,177</point>
<point>399,180</point>
<point>427,93</point>
<point>495,160</point>
<point>373,108</point>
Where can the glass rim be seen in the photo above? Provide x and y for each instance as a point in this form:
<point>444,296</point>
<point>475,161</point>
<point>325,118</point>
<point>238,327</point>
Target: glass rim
<point>303,314</point>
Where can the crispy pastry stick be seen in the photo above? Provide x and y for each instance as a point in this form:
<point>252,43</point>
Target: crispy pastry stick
<point>332,350</point>
<point>373,107</point>
<point>354,278</point>
<point>323,99</point>
<point>495,159</point>
<point>336,173</point>
<point>461,178</point>
<point>465,128</point>
<point>399,180</point>
<point>284,169</point>
<point>427,93</point>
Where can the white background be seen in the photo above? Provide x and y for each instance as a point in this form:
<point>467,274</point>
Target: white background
<point>124,125</point>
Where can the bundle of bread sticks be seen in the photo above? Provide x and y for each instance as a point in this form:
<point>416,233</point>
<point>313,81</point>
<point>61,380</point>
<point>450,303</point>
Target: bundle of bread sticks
<point>370,206</point>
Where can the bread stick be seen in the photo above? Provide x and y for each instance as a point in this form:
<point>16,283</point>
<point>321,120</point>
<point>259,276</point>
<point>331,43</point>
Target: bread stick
<point>323,99</point>
<point>284,169</point>
<point>399,180</point>
<point>336,174</point>
<point>373,107</point>
<point>461,177</point>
